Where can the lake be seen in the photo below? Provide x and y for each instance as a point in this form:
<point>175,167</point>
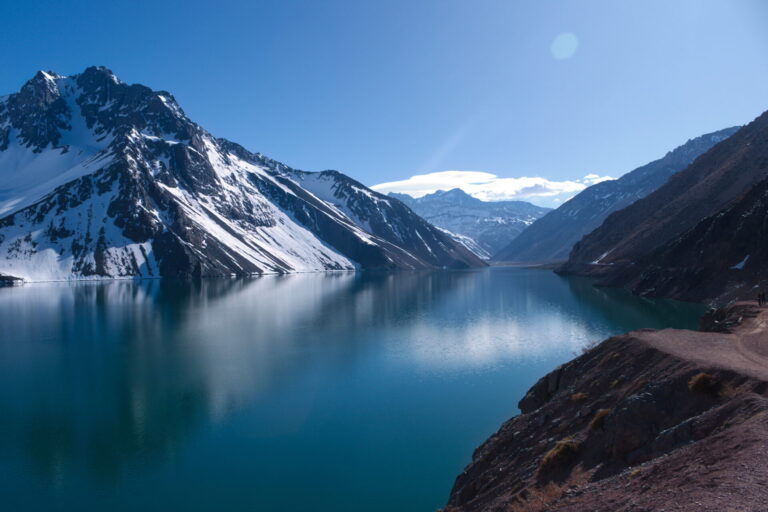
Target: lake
<point>325,392</point>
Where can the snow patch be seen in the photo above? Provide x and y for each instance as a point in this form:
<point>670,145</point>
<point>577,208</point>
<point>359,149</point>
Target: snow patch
<point>740,265</point>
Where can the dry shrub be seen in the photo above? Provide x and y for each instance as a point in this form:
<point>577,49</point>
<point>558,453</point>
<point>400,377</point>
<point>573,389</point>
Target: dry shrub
<point>598,420</point>
<point>704,383</point>
<point>614,383</point>
<point>559,456</point>
<point>579,397</point>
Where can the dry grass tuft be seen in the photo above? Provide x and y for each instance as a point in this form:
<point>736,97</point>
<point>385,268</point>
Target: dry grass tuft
<point>559,456</point>
<point>579,397</point>
<point>598,420</point>
<point>704,383</point>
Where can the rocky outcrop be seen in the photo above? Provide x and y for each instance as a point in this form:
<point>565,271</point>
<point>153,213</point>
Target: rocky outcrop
<point>652,420</point>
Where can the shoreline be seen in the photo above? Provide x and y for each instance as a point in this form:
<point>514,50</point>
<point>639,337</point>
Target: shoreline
<point>649,420</point>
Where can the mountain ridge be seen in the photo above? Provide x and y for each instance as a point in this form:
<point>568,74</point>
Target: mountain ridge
<point>488,224</point>
<point>635,246</point>
<point>99,178</point>
<point>552,237</point>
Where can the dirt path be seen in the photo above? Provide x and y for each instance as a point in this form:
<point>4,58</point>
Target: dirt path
<point>745,350</point>
<point>753,343</point>
<point>662,444</point>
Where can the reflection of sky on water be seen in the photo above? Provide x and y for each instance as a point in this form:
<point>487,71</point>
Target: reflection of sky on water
<point>103,384</point>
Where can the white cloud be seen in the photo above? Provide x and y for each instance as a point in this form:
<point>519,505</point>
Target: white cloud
<point>593,179</point>
<point>490,187</point>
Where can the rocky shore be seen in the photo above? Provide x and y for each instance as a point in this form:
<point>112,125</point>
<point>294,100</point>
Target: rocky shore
<point>668,420</point>
<point>6,280</point>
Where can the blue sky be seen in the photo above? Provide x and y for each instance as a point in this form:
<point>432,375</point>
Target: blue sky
<point>387,90</point>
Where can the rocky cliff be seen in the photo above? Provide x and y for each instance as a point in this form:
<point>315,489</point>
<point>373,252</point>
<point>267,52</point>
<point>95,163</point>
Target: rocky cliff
<point>651,420</point>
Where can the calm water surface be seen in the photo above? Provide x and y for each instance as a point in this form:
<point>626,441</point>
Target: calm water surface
<point>341,392</point>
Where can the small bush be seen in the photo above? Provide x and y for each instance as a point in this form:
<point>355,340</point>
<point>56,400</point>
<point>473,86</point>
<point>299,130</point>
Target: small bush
<point>579,397</point>
<point>614,383</point>
<point>704,383</point>
<point>560,456</point>
<point>598,420</point>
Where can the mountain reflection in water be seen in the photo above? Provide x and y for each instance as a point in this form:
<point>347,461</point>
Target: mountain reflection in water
<point>336,390</point>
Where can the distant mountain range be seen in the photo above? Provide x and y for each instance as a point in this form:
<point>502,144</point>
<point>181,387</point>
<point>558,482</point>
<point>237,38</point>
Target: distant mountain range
<point>99,178</point>
<point>703,235</point>
<point>483,226</point>
<point>552,237</point>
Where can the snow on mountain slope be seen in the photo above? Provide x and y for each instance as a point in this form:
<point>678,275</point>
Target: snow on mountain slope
<point>469,243</point>
<point>377,213</point>
<point>99,178</point>
<point>485,225</point>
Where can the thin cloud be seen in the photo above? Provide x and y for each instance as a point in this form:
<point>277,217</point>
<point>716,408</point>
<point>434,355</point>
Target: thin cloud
<point>593,179</point>
<point>490,187</point>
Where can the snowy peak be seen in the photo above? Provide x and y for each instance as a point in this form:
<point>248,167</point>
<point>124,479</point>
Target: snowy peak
<point>99,178</point>
<point>455,195</point>
<point>41,113</point>
<point>41,89</point>
<point>482,226</point>
<point>37,113</point>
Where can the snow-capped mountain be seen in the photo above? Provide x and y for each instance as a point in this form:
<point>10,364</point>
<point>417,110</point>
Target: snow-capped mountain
<point>482,226</point>
<point>552,237</point>
<point>99,178</point>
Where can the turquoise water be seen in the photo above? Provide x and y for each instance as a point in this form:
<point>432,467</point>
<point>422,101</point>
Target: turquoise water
<point>340,392</point>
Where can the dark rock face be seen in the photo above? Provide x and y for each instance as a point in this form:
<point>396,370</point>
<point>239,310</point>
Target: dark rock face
<point>99,178</point>
<point>6,280</point>
<point>715,181</point>
<point>637,423</point>
<point>724,256</point>
<point>489,225</point>
<point>552,237</point>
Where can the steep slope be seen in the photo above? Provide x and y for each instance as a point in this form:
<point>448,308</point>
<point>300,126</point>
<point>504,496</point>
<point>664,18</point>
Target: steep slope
<point>552,237</point>
<point>714,181</point>
<point>99,178</point>
<point>390,220</point>
<point>669,420</point>
<point>489,225</point>
<point>724,256</point>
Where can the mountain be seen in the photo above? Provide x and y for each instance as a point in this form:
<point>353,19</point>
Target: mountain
<point>101,179</point>
<point>691,236</point>
<point>725,256</point>
<point>488,225</point>
<point>552,237</point>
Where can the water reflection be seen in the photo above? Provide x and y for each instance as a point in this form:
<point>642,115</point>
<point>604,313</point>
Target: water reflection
<point>103,383</point>
<point>95,375</point>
